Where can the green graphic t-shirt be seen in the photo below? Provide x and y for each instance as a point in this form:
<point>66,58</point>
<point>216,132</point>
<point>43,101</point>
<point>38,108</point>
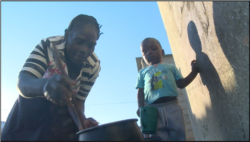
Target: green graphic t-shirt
<point>158,81</point>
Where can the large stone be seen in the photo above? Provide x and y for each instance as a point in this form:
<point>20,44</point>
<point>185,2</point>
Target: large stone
<point>216,34</point>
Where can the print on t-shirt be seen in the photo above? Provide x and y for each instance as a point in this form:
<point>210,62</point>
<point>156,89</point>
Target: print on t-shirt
<point>156,80</point>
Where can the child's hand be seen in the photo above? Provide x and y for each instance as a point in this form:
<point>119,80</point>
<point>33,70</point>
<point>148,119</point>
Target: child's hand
<point>195,67</point>
<point>138,112</point>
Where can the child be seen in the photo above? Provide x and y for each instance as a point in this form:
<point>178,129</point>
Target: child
<point>157,85</point>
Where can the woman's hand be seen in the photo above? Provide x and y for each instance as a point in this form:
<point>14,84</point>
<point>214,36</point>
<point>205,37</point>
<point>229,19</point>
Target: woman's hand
<point>90,122</point>
<point>59,89</point>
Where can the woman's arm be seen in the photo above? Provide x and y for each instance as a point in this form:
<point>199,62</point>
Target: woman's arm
<point>30,86</point>
<point>88,122</point>
<point>58,88</point>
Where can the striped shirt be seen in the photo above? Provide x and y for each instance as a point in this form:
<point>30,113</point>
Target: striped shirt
<point>41,64</point>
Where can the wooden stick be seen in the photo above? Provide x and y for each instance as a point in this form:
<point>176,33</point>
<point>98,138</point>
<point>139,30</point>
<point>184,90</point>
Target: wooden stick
<point>73,101</point>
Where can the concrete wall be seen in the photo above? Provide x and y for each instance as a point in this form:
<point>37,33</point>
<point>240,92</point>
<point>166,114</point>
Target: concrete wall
<point>181,98</point>
<point>216,34</point>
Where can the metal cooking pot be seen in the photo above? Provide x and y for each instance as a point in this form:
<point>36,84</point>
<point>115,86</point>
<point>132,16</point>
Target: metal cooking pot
<point>125,130</point>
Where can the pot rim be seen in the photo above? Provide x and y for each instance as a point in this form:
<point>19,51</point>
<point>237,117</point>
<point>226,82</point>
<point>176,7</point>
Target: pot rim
<point>95,127</point>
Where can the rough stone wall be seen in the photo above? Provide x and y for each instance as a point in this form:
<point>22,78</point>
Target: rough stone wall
<point>216,34</point>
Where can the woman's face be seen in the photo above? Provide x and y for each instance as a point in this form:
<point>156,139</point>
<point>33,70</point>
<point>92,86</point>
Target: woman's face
<point>80,42</point>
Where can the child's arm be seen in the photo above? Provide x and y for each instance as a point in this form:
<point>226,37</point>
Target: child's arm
<point>140,99</point>
<point>182,83</point>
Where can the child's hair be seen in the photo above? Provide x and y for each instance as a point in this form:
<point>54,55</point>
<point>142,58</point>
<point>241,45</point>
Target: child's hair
<point>85,19</point>
<point>148,38</point>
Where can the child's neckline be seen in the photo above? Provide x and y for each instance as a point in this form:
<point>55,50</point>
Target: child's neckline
<point>156,65</point>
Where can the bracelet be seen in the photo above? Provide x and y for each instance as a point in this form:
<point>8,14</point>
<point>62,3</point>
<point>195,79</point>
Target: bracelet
<point>46,94</point>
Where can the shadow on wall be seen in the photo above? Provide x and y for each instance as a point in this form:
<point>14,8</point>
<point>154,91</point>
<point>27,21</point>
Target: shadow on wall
<point>210,79</point>
<point>230,109</point>
<point>208,73</point>
<point>231,21</point>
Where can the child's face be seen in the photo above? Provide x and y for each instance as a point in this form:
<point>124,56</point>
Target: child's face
<point>151,51</point>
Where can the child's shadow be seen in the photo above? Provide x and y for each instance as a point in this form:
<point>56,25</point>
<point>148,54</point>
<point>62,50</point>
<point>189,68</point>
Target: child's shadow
<point>209,78</point>
<point>208,73</point>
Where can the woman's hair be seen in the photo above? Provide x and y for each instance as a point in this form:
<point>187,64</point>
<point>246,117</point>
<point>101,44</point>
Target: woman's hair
<point>85,19</point>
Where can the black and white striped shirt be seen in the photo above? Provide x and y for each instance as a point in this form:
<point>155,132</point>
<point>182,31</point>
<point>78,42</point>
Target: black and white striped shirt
<point>41,64</point>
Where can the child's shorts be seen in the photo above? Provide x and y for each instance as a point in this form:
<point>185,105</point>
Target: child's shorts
<point>170,125</point>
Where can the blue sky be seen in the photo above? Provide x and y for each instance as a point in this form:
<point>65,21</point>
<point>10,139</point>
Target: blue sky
<point>124,24</point>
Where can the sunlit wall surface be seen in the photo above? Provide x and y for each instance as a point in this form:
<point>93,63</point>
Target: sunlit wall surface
<point>216,34</point>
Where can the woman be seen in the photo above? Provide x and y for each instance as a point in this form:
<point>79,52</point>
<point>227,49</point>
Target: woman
<point>41,110</point>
